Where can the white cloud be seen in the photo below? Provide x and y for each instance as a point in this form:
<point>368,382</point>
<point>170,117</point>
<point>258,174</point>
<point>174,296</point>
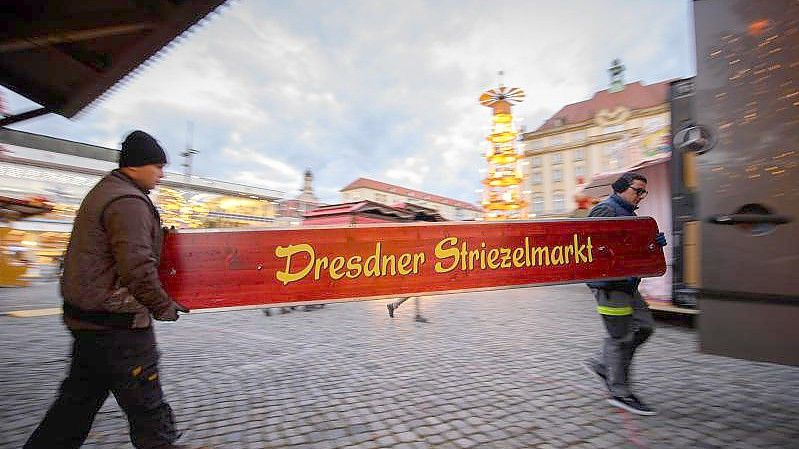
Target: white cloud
<point>274,166</point>
<point>411,171</point>
<point>383,89</point>
<point>257,179</point>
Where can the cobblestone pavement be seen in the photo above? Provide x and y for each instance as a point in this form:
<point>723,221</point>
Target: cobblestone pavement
<point>489,370</point>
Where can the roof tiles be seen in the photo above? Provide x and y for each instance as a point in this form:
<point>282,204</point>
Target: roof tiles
<point>365,183</point>
<point>634,96</point>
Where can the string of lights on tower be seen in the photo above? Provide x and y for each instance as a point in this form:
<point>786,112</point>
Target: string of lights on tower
<point>502,195</point>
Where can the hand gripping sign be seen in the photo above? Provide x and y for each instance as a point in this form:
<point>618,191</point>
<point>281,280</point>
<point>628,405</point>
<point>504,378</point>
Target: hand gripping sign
<point>255,268</point>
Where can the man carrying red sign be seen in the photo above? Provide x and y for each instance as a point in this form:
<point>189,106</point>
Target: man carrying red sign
<point>626,316</point>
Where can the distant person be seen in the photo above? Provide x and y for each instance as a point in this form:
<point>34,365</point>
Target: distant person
<point>111,292</point>
<point>626,316</point>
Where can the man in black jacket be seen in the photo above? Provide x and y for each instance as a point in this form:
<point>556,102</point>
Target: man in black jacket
<point>624,312</point>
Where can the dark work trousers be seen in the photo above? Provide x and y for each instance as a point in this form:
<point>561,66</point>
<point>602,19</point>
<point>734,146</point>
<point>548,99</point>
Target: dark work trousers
<point>626,331</point>
<point>124,362</point>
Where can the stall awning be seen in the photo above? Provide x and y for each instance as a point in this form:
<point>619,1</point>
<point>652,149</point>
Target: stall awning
<point>599,187</point>
<point>14,208</point>
<point>65,54</point>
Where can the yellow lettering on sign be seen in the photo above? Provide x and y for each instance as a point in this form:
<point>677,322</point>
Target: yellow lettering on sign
<point>543,256</point>
<point>518,257</point>
<point>336,264</point>
<point>588,245</point>
<point>418,260</point>
<point>354,268</point>
<point>321,264</point>
<point>288,251</point>
<point>493,255</point>
<point>389,263</point>
<point>557,255</point>
<point>448,253</point>
<point>374,260</point>
<point>404,264</point>
<point>505,254</point>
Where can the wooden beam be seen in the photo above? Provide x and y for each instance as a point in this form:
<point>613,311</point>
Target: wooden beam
<point>71,36</point>
<point>23,116</point>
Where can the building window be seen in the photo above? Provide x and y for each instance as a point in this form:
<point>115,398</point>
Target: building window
<point>535,178</point>
<point>578,136</point>
<point>557,175</point>
<point>538,205</point>
<point>611,155</point>
<point>536,161</point>
<point>654,123</point>
<point>557,158</point>
<point>579,173</point>
<point>614,128</point>
<point>579,154</point>
<point>558,202</point>
<point>536,144</point>
<point>556,140</point>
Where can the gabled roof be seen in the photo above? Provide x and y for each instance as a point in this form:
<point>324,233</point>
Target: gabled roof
<point>634,96</point>
<point>65,54</point>
<point>364,206</point>
<point>400,212</point>
<point>365,183</point>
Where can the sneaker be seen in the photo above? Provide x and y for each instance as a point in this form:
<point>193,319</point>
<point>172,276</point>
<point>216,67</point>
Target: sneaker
<point>632,404</point>
<point>592,369</point>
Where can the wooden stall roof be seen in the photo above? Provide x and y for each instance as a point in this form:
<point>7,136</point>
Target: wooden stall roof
<point>65,54</point>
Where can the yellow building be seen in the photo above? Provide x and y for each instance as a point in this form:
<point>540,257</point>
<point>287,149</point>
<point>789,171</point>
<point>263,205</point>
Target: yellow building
<point>617,128</point>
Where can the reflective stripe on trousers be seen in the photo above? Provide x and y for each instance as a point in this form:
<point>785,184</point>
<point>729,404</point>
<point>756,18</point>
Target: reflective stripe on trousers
<point>614,311</point>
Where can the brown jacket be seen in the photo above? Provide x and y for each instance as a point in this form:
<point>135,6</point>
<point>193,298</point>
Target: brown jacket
<point>111,263</point>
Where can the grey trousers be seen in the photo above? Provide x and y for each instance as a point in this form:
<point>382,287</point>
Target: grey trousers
<point>625,333</point>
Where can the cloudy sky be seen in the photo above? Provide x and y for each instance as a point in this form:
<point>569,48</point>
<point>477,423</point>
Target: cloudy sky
<point>381,89</point>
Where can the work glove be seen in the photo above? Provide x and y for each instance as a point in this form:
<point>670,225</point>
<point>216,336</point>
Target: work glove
<point>171,312</point>
<point>660,239</point>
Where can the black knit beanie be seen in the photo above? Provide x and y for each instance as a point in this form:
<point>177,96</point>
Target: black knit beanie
<point>140,148</point>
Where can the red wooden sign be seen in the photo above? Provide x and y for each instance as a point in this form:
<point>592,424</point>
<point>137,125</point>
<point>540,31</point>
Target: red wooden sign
<point>209,269</point>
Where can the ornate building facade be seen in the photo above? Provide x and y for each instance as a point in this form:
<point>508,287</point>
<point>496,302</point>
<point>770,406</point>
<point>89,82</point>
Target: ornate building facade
<point>619,127</point>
